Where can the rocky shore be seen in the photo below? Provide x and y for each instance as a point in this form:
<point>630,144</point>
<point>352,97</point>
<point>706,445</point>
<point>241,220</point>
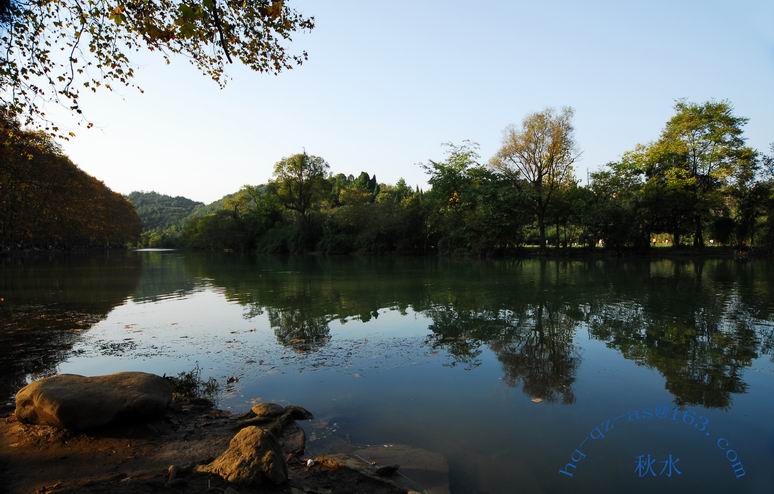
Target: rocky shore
<point>129,433</point>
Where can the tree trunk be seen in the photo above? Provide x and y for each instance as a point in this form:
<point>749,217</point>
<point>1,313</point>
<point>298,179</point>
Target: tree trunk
<point>676,237</point>
<point>770,229</point>
<point>542,228</point>
<point>698,236</point>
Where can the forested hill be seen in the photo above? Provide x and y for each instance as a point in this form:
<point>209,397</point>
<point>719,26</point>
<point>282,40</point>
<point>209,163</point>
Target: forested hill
<point>47,202</point>
<point>164,218</point>
<point>159,211</point>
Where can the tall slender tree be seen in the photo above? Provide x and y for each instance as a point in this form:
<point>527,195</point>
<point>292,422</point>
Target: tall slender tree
<point>541,153</point>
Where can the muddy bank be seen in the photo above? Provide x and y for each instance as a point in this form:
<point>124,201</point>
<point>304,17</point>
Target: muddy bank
<point>167,454</point>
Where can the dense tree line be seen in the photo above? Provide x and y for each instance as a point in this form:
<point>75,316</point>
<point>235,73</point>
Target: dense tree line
<point>47,202</point>
<point>697,184</point>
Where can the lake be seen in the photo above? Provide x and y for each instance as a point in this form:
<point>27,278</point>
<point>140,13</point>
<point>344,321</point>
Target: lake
<point>598,375</point>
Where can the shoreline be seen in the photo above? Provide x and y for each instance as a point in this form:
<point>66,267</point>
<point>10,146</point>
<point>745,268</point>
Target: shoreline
<point>168,455</point>
<point>684,252</point>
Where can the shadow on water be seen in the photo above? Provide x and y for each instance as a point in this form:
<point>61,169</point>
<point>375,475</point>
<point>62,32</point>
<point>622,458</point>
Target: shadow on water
<point>48,304</point>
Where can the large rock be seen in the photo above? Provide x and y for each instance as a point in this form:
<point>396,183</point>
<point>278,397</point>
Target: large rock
<point>253,456</point>
<point>76,402</point>
<point>267,410</point>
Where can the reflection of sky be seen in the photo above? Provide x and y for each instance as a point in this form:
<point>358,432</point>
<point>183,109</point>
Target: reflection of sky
<point>171,335</point>
<point>380,382</point>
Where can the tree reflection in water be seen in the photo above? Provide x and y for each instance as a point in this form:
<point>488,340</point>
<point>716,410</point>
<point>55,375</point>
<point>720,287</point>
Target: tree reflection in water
<point>47,306</point>
<point>698,323</point>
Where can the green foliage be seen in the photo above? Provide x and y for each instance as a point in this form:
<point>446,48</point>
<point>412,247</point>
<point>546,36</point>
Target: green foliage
<point>699,151</point>
<point>697,177</point>
<point>299,182</point>
<point>244,217</point>
<point>472,208</point>
<point>158,211</point>
<point>47,202</point>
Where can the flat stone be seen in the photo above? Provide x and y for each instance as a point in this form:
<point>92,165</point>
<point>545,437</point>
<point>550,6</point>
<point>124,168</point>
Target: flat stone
<point>74,402</point>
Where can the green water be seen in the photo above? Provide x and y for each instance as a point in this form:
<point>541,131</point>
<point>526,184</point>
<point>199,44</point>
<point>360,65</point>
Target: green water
<point>511,369</point>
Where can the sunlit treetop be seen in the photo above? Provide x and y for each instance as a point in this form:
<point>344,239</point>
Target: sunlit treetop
<point>52,50</point>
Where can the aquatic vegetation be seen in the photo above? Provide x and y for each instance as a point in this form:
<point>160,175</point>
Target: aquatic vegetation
<point>190,384</point>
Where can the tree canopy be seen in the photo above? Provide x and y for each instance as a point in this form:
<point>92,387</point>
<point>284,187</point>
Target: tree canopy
<point>52,51</point>
<point>541,152</point>
<point>698,183</point>
<point>47,202</point>
<point>298,182</point>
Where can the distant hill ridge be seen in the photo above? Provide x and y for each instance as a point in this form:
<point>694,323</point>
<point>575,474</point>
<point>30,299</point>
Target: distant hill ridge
<point>159,211</point>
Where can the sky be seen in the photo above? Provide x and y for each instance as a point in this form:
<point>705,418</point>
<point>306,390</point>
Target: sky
<point>387,83</point>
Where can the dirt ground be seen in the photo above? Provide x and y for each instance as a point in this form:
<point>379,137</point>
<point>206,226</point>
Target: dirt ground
<point>137,458</point>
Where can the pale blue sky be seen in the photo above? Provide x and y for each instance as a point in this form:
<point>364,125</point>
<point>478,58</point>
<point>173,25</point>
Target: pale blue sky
<point>387,82</point>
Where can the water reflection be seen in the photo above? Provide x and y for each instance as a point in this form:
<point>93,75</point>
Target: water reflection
<point>164,276</point>
<point>48,304</point>
<point>299,330</point>
<point>700,324</point>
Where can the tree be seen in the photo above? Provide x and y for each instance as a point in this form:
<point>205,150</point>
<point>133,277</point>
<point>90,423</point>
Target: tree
<point>615,210</point>
<point>51,50</point>
<point>748,196</point>
<point>767,162</point>
<point>299,182</point>
<point>705,141</point>
<point>47,202</point>
<point>541,152</point>
<point>475,210</point>
<point>450,193</point>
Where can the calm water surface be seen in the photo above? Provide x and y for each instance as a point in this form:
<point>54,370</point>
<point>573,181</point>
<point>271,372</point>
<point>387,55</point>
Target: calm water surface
<point>513,370</point>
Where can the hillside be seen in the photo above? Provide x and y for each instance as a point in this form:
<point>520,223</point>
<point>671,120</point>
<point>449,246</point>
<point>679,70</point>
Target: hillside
<point>159,211</point>
<point>47,202</point>
<point>165,218</point>
<point>206,209</point>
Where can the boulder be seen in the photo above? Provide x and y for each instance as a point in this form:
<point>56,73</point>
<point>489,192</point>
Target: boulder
<point>267,410</point>
<point>74,402</point>
<point>253,456</point>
